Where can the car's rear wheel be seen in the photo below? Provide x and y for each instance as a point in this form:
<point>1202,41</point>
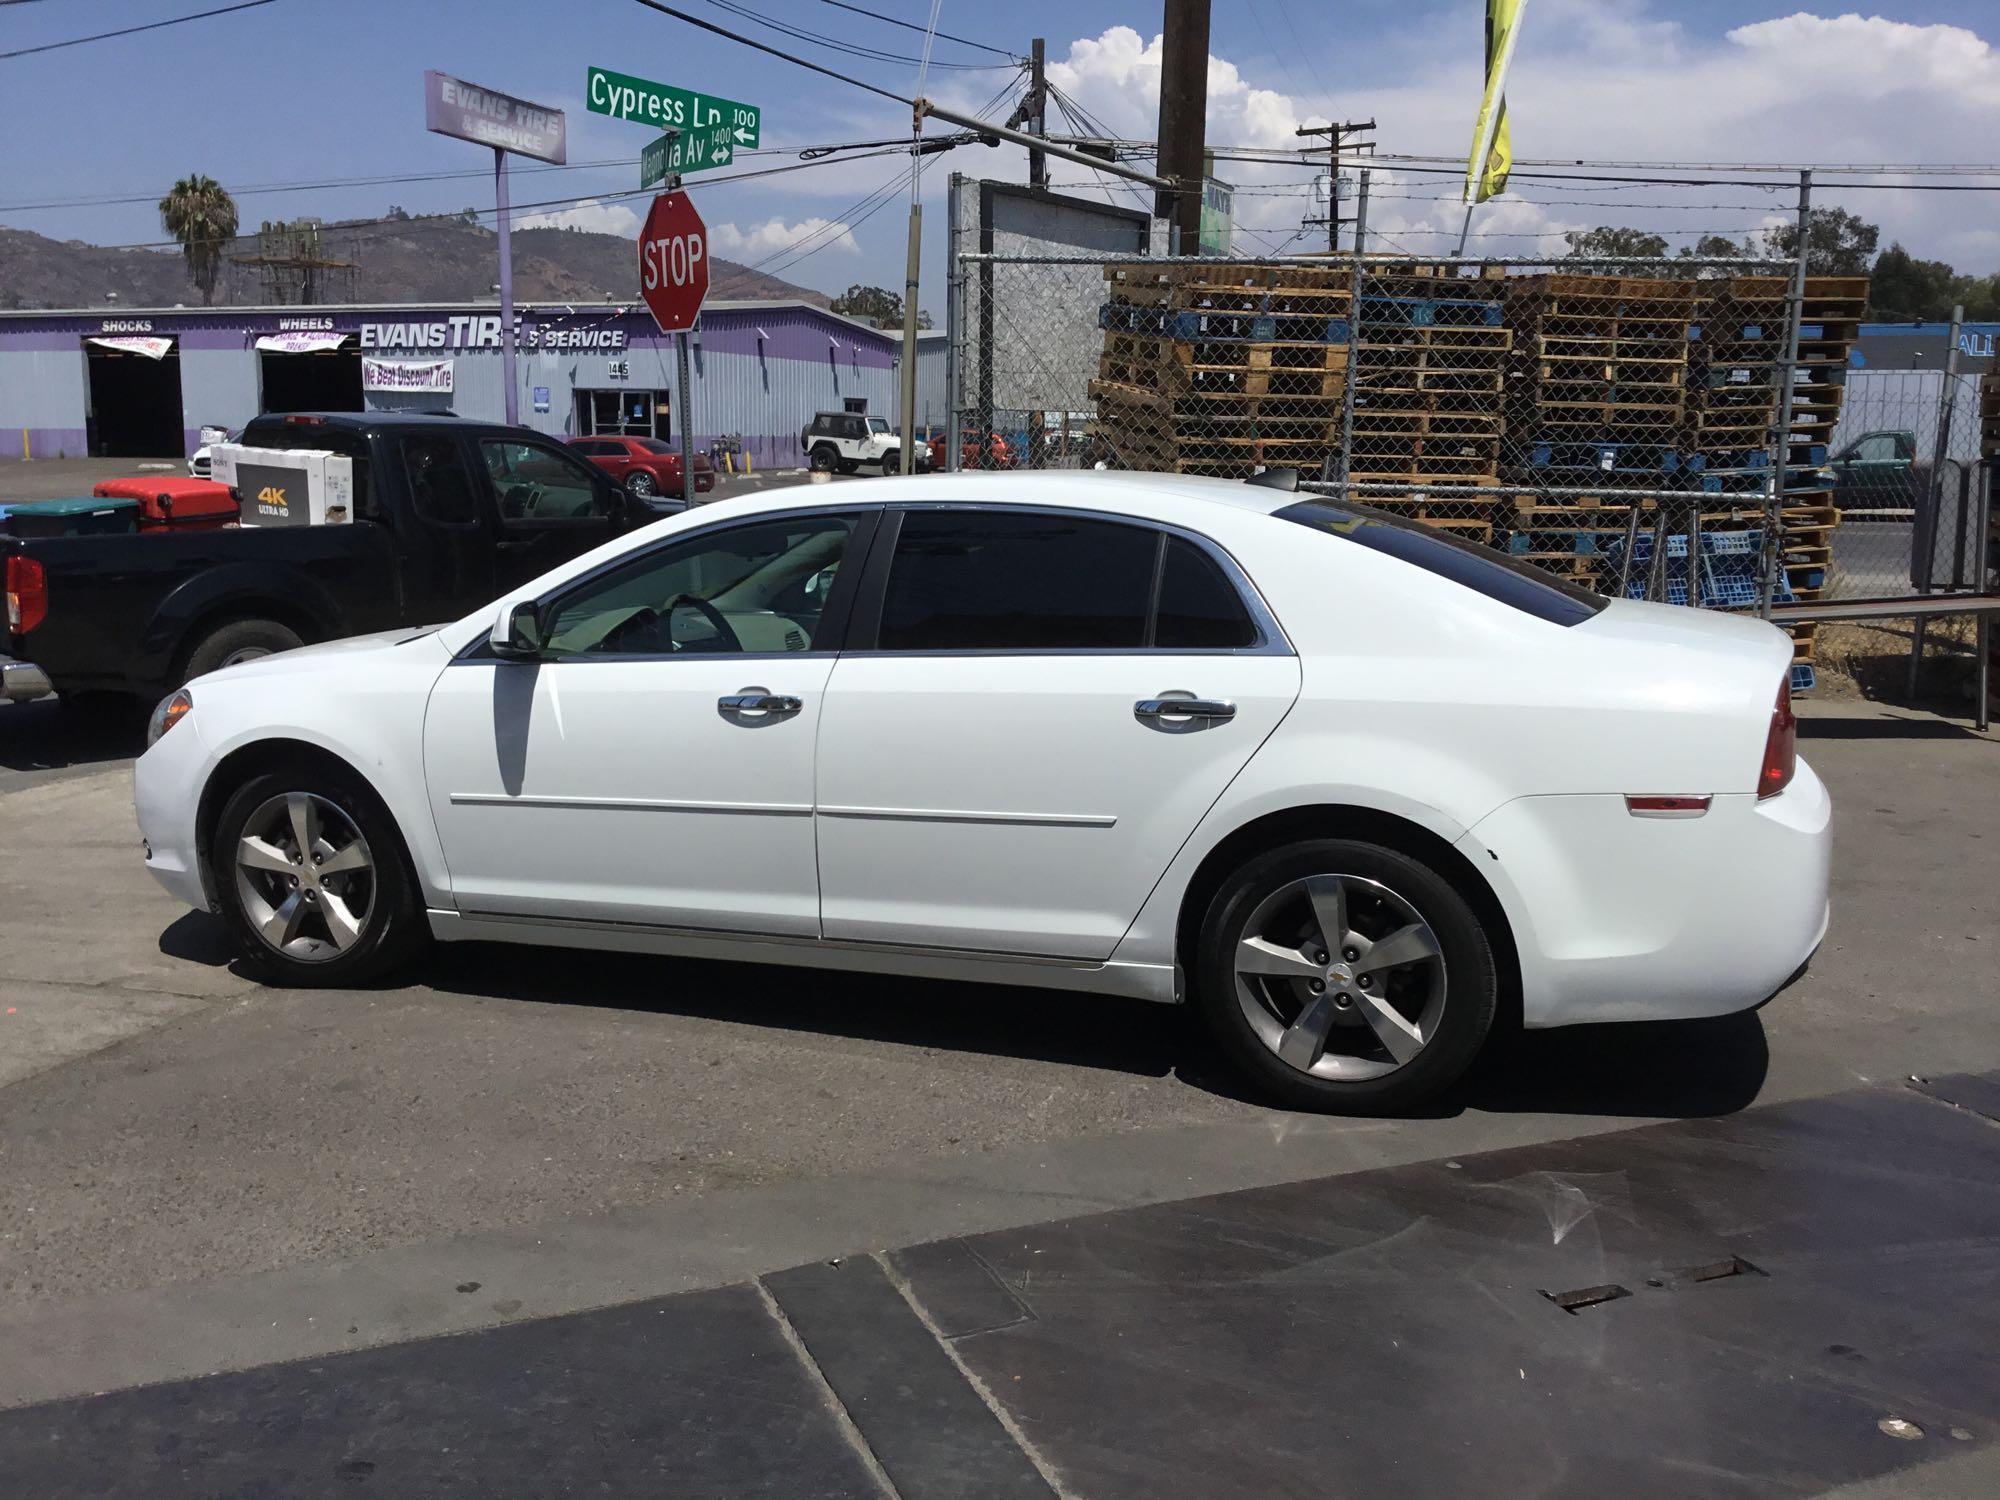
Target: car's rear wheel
<point>312,879</point>
<point>1345,976</point>
<point>640,485</point>
<point>825,459</point>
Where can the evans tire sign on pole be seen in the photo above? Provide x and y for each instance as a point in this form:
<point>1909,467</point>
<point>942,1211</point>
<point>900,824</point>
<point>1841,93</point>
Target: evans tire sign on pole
<point>711,129</point>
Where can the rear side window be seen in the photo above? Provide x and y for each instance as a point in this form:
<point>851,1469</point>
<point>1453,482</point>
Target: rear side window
<point>440,484</point>
<point>1517,584</point>
<point>1200,609</point>
<point>986,581</point>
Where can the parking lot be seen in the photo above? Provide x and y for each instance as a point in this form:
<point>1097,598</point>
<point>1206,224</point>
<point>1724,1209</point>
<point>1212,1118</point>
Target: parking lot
<point>202,1175</point>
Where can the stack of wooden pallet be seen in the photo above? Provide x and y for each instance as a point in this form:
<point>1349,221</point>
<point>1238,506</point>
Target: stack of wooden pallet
<point>1597,393</point>
<point>1217,369</point>
<point>1430,367</point>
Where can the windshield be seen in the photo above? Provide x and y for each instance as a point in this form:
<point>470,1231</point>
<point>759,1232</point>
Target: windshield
<point>878,424</point>
<point>1521,585</point>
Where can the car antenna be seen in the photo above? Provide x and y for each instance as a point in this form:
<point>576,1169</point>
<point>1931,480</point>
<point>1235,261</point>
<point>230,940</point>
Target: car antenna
<point>1276,479</point>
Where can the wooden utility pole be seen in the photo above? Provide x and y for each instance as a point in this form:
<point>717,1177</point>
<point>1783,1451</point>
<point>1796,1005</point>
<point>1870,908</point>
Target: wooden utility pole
<point>1038,91</point>
<point>1335,134</point>
<point>1183,126</point>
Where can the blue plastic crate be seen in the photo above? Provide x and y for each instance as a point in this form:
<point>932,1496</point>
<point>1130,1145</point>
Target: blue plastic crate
<point>1803,680</point>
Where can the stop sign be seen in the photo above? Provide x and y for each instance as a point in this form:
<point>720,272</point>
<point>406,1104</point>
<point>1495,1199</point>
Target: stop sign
<point>673,262</point>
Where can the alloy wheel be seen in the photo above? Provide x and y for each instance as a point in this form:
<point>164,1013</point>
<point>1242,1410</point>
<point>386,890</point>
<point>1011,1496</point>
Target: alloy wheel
<point>1341,977</point>
<point>305,877</point>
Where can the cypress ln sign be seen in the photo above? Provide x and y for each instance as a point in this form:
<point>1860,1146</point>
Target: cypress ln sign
<point>711,129</point>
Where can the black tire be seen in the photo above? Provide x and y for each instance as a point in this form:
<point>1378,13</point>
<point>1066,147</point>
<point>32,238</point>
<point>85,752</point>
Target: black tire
<point>825,459</point>
<point>1470,997</point>
<point>640,485</point>
<point>394,932</point>
<point>238,640</point>
<point>892,464</point>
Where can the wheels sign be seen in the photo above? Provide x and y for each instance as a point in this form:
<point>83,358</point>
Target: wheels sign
<point>673,262</point>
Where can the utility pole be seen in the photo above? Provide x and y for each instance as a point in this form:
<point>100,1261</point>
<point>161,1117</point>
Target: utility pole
<point>1335,134</point>
<point>1038,91</point>
<point>1183,128</point>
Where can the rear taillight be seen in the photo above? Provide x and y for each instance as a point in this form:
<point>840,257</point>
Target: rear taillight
<point>1781,746</point>
<point>27,594</point>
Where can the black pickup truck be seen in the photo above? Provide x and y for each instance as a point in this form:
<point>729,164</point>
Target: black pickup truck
<point>447,515</point>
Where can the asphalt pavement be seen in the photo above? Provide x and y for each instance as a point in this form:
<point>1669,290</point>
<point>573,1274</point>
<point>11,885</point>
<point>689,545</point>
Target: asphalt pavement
<point>198,1175</point>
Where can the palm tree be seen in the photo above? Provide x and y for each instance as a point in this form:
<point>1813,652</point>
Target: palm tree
<point>199,214</point>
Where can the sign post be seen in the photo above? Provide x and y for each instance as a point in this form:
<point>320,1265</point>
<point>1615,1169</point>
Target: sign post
<point>471,113</point>
<point>673,283</point>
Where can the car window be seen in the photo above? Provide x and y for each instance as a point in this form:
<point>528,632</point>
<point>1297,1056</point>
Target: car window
<point>755,589</point>
<point>1876,447</point>
<point>1522,585</point>
<point>654,445</point>
<point>1199,608</point>
<point>993,581</point>
<point>878,424</point>
<point>440,486</point>
<point>537,485</point>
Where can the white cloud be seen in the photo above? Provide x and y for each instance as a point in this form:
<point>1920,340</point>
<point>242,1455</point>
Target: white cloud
<point>774,235</point>
<point>1601,79</point>
<point>598,218</point>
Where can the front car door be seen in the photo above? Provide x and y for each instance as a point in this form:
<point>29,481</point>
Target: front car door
<point>549,506</point>
<point>655,766</point>
<point>1003,766</point>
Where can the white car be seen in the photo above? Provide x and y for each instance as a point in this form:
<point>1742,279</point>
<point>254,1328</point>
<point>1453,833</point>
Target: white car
<point>846,441</point>
<point>1357,790</point>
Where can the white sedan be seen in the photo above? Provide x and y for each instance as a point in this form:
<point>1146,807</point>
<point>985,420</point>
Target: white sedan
<point>1359,791</point>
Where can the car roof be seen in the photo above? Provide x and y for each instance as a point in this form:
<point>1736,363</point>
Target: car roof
<point>1081,489</point>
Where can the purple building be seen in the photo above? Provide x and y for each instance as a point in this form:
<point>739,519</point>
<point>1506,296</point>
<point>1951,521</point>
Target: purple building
<point>142,382</point>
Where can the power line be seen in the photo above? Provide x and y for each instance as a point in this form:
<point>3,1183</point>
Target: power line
<point>819,39</point>
<point>723,31</point>
<point>913,26</point>
<point>78,41</point>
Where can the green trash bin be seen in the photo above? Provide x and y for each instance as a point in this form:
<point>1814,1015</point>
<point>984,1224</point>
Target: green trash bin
<point>83,515</point>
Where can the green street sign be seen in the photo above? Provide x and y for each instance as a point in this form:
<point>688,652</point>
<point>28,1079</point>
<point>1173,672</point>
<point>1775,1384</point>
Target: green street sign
<point>711,130</point>
<point>684,151</point>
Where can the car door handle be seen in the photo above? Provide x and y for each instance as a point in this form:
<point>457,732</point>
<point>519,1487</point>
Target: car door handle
<point>1184,708</point>
<point>777,704</point>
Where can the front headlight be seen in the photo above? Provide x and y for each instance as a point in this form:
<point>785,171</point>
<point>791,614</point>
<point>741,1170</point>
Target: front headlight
<point>176,706</point>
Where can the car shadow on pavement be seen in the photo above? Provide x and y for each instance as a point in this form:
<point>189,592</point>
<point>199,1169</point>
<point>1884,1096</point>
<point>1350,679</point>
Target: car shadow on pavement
<point>49,734</point>
<point>1091,1031</point>
<point>1666,1070</point>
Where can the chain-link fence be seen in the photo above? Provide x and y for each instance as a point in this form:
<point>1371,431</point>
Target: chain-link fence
<point>1678,430</point>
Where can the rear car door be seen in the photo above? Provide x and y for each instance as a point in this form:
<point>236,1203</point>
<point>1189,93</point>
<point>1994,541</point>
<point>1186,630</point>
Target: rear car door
<point>1005,762</point>
<point>448,505</point>
<point>549,506</point>
<point>607,454</point>
<point>655,766</point>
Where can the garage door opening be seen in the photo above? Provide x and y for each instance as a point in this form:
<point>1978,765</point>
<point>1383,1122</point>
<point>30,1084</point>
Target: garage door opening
<point>135,405</point>
<point>328,380</point>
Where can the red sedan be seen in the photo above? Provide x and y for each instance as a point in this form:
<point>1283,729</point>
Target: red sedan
<point>645,466</point>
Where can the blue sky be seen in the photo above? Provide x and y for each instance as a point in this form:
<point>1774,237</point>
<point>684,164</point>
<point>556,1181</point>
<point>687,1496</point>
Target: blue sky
<point>309,89</point>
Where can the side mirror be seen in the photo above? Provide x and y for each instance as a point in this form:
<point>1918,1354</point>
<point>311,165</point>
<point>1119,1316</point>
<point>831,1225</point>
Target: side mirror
<point>517,632</point>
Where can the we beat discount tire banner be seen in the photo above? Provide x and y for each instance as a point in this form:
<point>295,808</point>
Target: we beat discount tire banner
<point>673,263</point>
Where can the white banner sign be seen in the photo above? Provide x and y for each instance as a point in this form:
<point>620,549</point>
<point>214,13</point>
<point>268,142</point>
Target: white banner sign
<point>300,343</point>
<point>152,348</point>
<point>405,374</point>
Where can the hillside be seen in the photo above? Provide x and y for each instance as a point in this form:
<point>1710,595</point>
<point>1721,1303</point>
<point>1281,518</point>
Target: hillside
<point>412,261</point>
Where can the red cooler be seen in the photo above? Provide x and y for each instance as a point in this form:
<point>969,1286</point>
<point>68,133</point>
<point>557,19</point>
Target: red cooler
<point>182,504</point>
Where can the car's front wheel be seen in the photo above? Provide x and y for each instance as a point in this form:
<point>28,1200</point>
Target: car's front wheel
<point>311,877</point>
<point>1346,976</point>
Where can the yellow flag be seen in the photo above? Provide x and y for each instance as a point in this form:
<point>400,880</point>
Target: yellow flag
<point>1492,151</point>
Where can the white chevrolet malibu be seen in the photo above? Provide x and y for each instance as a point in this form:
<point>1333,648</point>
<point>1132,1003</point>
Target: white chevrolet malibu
<point>1359,791</point>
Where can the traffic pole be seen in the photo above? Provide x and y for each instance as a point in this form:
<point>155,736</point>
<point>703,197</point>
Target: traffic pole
<point>506,288</point>
<point>908,396</point>
<point>687,420</point>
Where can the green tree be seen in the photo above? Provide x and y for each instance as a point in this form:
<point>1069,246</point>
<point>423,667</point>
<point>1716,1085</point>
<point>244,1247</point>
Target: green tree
<point>874,305</point>
<point>199,214</point>
<point>1609,242</point>
<point>1908,289</point>
<point>1838,243</point>
<point>1717,247</point>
